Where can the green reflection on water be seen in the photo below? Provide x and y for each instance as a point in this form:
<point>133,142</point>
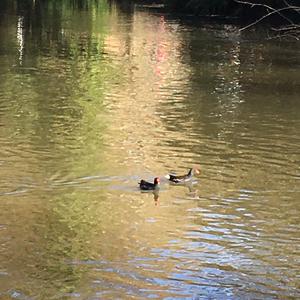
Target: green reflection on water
<point>60,76</point>
<point>53,76</point>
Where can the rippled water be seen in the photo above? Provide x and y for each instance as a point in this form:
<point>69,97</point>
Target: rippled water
<point>92,99</point>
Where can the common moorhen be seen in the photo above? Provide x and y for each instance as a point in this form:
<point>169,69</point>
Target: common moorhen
<point>147,186</point>
<point>183,178</point>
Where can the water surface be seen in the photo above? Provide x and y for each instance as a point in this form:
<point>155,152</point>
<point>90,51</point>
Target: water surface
<point>95,97</point>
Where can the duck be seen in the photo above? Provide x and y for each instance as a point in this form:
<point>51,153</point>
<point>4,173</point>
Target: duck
<point>183,178</point>
<point>148,186</point>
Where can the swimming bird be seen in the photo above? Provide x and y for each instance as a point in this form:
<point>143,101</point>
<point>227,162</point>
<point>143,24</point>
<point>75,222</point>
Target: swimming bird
<point>183,178</point>
<point>147,186</point>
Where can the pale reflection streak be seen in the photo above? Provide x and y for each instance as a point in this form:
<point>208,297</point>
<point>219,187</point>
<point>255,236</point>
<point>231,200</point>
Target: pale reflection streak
<point>155,73</point>
<point>229,72</point>
<point>20,38</point>
<point>229,88</point>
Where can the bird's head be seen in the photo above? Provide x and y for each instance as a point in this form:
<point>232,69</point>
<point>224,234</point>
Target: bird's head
<point>196,171</point>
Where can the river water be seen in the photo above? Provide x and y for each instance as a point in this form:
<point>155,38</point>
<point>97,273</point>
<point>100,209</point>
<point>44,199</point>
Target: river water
<point>95,97</point>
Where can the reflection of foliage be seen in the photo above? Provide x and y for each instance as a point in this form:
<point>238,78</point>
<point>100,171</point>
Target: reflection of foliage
<point>67,4</point>
<point>226,71</point>
<point>66,236</point>
<point>53,79</point>
<point>44,109</point>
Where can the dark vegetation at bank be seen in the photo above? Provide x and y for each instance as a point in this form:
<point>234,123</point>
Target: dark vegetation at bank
<point>281,16</point>
<point>248,9</point>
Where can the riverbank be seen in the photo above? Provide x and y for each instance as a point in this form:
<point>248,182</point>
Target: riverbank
<point>281,17</point>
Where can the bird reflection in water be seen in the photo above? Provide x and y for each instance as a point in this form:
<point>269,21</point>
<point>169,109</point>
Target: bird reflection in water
<point>156,197</point>
<point>192,191</point>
